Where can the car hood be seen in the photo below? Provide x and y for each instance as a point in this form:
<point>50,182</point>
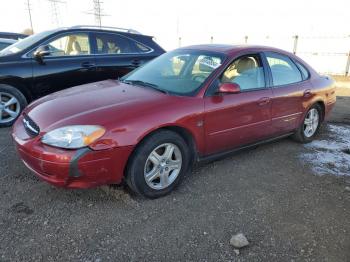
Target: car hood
<point>100,103</point>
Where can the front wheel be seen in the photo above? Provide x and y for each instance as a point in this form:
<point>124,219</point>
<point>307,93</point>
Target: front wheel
<point>158,164</point>
<point>310,126</point>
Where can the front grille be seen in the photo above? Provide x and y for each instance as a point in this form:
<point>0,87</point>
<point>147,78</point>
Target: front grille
<point>30,126</point>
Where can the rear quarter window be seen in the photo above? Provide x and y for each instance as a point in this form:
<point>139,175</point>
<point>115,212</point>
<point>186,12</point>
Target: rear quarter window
<point>140,48</point>
<point>109,43</point>
<point>303,70</point>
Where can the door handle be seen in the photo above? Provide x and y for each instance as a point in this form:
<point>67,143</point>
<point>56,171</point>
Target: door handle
<point>135,62</point>
<point>87,65</point>
<point>307,93</point>
<point>263,101</point>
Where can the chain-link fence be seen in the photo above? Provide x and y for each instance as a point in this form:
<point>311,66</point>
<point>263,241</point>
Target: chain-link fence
<point>327,54</point>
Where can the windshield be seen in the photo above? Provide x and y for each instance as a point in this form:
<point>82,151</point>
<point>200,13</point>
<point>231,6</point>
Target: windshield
<point>180,72</point>
<point>24,43</point>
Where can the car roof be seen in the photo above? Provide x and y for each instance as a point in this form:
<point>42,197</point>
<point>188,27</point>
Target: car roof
<point>232,49</point>
<point>13,34</point>
<point>99,29</point>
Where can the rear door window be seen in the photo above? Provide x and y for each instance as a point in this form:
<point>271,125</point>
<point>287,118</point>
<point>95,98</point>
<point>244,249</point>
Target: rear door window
<point>115,44</point>
<point>283,70</point>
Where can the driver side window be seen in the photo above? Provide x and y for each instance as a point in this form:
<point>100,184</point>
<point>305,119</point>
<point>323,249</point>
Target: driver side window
<point>246,71</point>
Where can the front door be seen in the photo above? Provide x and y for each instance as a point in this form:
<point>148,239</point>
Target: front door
<point>69,63</point>
<point>234,120</point>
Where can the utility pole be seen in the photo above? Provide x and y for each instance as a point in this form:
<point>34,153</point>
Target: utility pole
<point>347,68</point>
<point>55,11</point>
<point>97,12</point>
<point>30,15</point>
<point>295,46</point>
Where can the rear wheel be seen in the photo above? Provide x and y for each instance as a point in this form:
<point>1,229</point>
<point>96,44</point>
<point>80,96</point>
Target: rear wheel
<point>12,102</point>
<point>310,126</point>
<point>158,164</point>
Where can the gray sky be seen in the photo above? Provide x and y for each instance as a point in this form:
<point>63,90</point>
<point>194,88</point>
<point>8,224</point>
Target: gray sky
<point>195,21</point>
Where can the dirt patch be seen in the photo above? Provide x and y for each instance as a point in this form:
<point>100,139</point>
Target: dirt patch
<point>341,112</point>
<point>343,85</point>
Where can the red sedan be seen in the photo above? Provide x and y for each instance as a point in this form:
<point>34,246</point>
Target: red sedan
<point>191,104</point>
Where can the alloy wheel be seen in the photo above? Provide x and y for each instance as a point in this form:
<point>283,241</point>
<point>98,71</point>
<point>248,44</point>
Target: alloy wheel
<point>311,122</point>
<point>163,166</point>
<point>9,107</point>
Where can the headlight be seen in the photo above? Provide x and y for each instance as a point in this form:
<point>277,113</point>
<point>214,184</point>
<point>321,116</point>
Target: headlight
<point>72,137</point>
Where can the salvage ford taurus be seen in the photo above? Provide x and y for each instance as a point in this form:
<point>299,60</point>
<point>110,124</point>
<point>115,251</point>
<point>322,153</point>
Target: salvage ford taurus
<point>191,104</point>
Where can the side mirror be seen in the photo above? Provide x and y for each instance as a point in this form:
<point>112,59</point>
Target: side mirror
<point>230,88</point>
<point>42,51</point>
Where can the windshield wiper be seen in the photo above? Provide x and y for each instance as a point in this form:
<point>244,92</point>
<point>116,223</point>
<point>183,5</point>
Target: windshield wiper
<point>143,83</point>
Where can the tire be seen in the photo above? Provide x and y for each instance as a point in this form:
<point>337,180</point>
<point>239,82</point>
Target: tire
<point>10,112</point>
<point>302,135</point>
<point>150,159</point>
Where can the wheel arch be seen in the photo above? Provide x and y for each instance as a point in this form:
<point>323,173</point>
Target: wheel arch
<point>323,108</point>
<point>183,132</point>
<point>319,102</point>
<point>298,134</point>
<point>186,135</point>
<point>19,84</point>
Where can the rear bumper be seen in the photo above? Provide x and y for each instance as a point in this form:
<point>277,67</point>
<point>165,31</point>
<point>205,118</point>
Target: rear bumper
<point>83,168</point>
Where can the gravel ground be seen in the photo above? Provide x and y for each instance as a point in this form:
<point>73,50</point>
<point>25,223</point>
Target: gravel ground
<point>269,194</point>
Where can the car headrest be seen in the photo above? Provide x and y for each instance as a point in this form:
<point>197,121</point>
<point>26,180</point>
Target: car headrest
<point>245,64</point>
<point>76,46</point>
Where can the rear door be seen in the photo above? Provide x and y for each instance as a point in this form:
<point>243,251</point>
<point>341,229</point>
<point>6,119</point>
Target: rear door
<point>117,55</point>
<point>234,120</point>
<point>69,63</point>
<point>288,92</point>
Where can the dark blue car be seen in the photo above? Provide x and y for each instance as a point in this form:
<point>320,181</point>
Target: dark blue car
<point>53,60</point>
<point>13,36</point>
<point>6,42</point>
